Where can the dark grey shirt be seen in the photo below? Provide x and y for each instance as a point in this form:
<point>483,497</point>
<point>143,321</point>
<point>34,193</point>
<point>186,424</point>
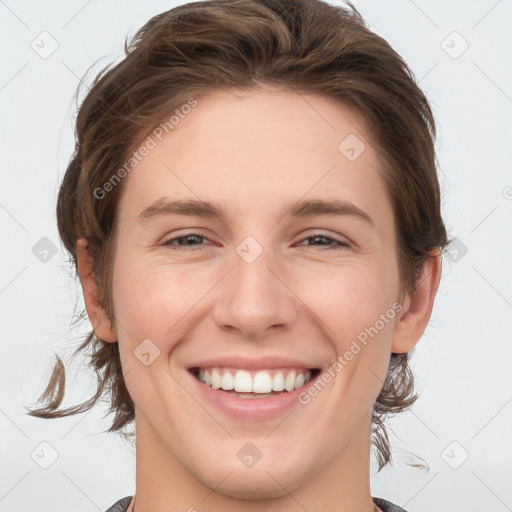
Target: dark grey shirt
<point>386,506</point>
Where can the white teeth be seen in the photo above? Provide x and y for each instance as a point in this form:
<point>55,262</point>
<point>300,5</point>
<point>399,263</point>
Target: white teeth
<point>243,381</point>
<point>278,382</point>
<point>262,382</point>
<point>216,379</point>
<point>289,382</point>
<point>299,380</point>
<point>227,381</point>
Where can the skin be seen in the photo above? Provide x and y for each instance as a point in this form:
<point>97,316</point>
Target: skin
<point>255,151</point>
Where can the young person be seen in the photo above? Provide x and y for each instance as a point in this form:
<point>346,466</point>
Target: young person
<point>254,213</point>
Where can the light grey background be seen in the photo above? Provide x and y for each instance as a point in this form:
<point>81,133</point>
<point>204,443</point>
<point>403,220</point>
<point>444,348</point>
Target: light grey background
<point>463,363</point>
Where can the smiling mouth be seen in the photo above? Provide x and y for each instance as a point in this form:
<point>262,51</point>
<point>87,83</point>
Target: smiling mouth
<point>255,384</point>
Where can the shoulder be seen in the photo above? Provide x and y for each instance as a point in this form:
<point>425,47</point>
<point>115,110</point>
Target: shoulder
<point>121,505</point>
<point>386,506</point>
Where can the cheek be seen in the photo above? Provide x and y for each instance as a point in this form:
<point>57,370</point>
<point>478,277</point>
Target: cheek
<point>358,308</point>
<point>151,305</point>
<point>148,300</point>
<point>350,299</point>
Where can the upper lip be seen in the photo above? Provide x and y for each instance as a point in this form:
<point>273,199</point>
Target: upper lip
<point>246,363</point>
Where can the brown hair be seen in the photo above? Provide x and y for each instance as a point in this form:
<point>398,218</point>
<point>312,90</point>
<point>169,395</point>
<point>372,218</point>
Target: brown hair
<point>303,45</point>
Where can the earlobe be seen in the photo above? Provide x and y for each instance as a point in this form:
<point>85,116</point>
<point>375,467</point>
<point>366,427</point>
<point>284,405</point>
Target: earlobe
<point>97,315</point>
<point>413,321</point>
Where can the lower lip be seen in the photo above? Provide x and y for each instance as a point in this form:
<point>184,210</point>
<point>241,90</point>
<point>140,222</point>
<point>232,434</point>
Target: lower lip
<point>251,408</point>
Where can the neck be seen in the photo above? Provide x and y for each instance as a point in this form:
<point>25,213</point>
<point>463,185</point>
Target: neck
<point>164,484</point>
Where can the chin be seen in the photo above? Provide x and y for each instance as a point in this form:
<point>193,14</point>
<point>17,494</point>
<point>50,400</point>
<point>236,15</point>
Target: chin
<point>253,485</point>
<point>274,476</point>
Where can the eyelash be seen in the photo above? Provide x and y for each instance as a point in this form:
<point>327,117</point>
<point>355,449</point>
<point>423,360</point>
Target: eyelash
<point>168,243</point>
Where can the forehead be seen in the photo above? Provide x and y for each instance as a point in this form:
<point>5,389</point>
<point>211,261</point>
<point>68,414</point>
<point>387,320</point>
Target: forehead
<point>258,149</point>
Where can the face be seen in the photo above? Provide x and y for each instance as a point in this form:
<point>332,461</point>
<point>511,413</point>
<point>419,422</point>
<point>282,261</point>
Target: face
<point>261,297</point>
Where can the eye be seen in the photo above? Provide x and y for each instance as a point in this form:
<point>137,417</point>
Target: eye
<point>184,241</point>
<point>188,237</point>
<point>335,244</point>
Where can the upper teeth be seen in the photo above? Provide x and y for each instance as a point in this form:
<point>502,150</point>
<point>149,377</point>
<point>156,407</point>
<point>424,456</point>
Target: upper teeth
<point>263,381</point>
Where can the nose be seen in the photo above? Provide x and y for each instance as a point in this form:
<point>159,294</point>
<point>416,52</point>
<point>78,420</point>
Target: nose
<point>254,297</point>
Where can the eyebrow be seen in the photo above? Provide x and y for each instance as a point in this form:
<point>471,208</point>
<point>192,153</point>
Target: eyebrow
<point>206,209</point>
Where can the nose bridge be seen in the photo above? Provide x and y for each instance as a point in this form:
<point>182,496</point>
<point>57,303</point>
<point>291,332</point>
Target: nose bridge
<point>254,298</point>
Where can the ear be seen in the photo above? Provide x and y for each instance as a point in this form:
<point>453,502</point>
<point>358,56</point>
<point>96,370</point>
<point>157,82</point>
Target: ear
<point>417,307</point>
<point>97,315</point>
